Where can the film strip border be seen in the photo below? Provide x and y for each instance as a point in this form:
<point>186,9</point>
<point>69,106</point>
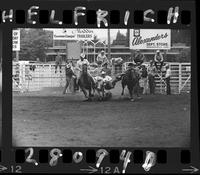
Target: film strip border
<point>95,159</point>
<point>69,155</point>
<point>35,16</point>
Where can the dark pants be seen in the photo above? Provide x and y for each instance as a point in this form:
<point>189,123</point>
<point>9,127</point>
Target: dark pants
<point>58,65</point>
<point>151,84</point>
<point>68,80</point>
<point>168,85</point>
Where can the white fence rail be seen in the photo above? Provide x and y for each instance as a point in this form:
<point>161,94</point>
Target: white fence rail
<point>180,78</point>
<point>44,75</point>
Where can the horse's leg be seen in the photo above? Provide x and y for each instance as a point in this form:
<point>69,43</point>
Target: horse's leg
<point>91,89</point>
<point>90,94</point>
<point>92,85</point>
<point>103,91</point>
<point>130,88</point>
<point>138,90</point>
<point>84,92</point>
<point>99,94</point>
<point>123,86</point>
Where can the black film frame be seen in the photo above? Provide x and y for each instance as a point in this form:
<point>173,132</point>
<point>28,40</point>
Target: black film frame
<point>176,158</point>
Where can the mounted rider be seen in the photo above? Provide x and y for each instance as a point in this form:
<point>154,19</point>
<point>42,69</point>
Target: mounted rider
<point>79,65</point>
<point>101,58</point>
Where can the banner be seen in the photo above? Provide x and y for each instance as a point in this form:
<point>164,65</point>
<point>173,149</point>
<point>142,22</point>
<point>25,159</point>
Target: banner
<point>73,34</point>
<point>16,40</point>
<point>150,39</point>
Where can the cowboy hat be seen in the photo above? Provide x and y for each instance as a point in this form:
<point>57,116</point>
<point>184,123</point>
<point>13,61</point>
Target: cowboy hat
<point>157,51</point>
<point>131,64</point>
<point>103,73</point>
<point>93,64</point>
<point>143,64</point>
<point>82,55</point>
<point>68,65</point>
<point>167,65</point>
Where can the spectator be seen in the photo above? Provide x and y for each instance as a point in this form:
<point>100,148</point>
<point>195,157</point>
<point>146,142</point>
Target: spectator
<point>69,75</point>
<point>58,62</point>
<point>158,59</point>
<point>151,77</point>
<point>37,60</point>
<point>167,79</point>
<point>144,75</point>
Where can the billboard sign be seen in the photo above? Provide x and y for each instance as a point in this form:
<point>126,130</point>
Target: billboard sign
<point>73,34</point>
<point>150,39</point>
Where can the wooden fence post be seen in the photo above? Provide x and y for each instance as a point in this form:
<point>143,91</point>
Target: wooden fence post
<point>180,78</point>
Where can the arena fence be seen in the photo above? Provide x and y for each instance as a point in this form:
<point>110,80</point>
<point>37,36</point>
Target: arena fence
<point>34,77</point>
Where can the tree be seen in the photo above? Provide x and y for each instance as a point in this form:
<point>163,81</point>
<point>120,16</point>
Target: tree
<point>96,39</point>
<point>34,43</point>
<point>181,36</point>
<point>120,39</point>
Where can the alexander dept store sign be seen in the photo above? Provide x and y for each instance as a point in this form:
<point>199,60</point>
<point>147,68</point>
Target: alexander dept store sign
<point>150,39</point>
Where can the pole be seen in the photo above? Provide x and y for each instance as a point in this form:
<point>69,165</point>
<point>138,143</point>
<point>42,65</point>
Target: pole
<point>109,56</point>
<point>17,55</point>
<point>179,78</point>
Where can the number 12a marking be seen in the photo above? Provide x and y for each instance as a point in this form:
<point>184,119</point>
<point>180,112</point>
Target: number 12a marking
<point>109,170</point>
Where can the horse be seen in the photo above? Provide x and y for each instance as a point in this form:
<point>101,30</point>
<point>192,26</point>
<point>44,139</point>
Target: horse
<point>86,82</point>
<point>130,79</point>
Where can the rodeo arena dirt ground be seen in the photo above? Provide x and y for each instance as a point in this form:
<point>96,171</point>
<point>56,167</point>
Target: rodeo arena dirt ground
<point>50,118</point>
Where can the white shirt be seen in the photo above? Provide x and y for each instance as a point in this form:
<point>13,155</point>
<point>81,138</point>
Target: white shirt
<point>80,63</point>
<point>168,73</point>
<point>101,58</point>
<point>107,78</point>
